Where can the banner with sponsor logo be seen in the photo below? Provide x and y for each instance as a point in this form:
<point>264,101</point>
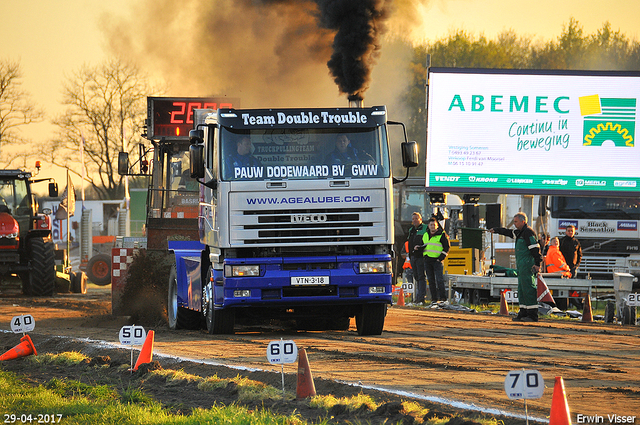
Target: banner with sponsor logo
<point>516,131</point>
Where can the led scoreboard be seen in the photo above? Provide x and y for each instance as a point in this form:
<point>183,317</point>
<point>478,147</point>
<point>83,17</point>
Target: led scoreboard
<point>172,117</point>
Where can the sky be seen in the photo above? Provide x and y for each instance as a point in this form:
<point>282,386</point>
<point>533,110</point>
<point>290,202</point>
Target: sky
<point>53,39</point>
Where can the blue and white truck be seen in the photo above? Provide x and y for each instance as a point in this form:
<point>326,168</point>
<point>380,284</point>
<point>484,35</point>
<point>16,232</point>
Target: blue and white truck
<point>290,226</point>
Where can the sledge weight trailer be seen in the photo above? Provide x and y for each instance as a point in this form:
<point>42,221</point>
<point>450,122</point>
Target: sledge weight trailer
<point>26,247</point>
<point>300,232</point>
<point>476,289</point>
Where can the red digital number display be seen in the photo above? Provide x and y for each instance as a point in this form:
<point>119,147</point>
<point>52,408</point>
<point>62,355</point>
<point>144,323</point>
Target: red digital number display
<point>173,117</point>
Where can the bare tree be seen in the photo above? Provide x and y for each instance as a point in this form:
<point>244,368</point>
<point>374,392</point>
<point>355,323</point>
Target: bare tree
<point>16,109</point>
<point>106,108</point>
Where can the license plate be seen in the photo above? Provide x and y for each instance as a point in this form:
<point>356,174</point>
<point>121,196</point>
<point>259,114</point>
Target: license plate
<point>310,280</point>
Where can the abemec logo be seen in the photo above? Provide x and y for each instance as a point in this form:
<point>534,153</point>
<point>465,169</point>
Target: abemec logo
<point>608,119</point>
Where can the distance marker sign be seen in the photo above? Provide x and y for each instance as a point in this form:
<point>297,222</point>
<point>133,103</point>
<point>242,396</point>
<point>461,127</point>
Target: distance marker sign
<point>280,352</point>
<point>524,384</point>
<point>21,324</point>
<point>132,335</point>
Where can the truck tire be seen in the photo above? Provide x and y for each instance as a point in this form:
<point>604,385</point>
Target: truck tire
<point>179,317</point>
<point>370,321</point>
<point>466,295</point>
<point>99,269</point>
<point>217,321</point>
<point>609,312</point>
<point>476,297</point>
<point>628,315</point>
<point>562,303</point>
<point>41,277</point>
<point>78,282</point>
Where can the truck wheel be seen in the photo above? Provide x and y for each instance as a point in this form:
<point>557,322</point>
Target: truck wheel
<point>609,312</point>
<point>99,269</point>
<point>562,303</point>
<point>42,268</point>
<point>466,294</point>
<point>476,297</point>
<point>370,321</point>
<point>628,315</point>
<point>217,321</point>
<point>78,282</point>
<point>179,317</point>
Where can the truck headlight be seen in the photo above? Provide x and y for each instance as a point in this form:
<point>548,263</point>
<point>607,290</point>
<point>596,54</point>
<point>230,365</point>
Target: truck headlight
<point>377,289</point>
<point>634,263</point>
<point>376,267</point>
<point>242,270</point>
<point>242,293</point>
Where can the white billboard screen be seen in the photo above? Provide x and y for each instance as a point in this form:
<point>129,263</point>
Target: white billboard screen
<point>540,132</point>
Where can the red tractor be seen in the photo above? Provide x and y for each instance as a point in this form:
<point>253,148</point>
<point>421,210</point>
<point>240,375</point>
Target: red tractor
<point>26,247</point>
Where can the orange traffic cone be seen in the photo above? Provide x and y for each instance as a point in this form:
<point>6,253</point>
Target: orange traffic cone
<point>559,408</point>
<point>305,387</point>
<point>587,316</point>
<point>401,298</point>
<point>25,348</point>
<point>146,354</point>
<point>504,309</point>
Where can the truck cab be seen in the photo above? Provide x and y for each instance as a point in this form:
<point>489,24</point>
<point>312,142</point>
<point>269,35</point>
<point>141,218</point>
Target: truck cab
<point>294,225</point>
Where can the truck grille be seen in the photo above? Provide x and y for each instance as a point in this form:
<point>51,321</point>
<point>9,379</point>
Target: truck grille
<point>289,226</point>
<point>309,218</point>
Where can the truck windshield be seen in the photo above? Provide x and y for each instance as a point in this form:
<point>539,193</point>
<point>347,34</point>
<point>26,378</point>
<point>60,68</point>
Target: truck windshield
<point>304,154</point>
<point>182,190</point>
<point>595,208</point>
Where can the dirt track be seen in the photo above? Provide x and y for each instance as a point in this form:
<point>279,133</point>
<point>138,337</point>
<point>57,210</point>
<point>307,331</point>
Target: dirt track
<point>450,355</point>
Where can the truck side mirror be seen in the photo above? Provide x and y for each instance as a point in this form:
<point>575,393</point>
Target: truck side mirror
<point>196,137</point>
<point>53,190</point>
<point>409,154</point>
<point>196,163</point>
<point>123,163</point>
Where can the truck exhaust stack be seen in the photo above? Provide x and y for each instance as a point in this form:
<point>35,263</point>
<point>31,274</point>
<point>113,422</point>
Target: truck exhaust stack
<point>356,102</point>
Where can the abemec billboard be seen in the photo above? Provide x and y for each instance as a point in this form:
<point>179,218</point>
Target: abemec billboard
<point>544,132</point>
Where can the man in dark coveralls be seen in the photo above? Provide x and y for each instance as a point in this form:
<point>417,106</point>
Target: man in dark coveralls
<point>528,261</point>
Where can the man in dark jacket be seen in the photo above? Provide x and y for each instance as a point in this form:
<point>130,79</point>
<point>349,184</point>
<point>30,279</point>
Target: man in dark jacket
<point>528,261</point>
<point>417,229</point>
<point>571,249</point>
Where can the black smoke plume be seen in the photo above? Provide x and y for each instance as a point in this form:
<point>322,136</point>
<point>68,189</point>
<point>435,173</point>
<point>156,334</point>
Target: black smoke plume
<point>358,25</point>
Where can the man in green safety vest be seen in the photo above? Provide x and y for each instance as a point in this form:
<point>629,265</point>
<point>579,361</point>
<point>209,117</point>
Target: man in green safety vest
<point>435,249</point>
<point>528,261</point>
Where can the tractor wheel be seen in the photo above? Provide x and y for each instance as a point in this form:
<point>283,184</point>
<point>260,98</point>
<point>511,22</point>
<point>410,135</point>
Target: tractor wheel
<point>217,321</point>
<point>78,282</point>
<point>179,317</point>
<point>42,268</point>
<point>370,321</point>
<point>99,269</point>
